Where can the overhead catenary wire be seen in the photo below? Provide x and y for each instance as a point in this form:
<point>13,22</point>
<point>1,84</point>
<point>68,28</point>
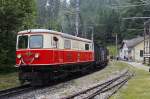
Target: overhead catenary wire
<point>128,5</point>
<point>128,18</point>
<point>134,29</point>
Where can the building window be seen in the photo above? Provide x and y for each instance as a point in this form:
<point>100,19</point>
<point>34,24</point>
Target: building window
<point>129,51</point>
<point>141,53</point>
<point>147,43</point>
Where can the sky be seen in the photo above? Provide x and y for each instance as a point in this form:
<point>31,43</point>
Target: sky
<point>66,0</point>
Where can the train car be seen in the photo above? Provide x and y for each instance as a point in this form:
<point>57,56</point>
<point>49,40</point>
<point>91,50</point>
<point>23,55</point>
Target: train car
<point>43,55</point>
<point>101,55</point>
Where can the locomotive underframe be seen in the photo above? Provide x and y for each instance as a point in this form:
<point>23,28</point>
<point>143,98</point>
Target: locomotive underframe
<point>43,75</point>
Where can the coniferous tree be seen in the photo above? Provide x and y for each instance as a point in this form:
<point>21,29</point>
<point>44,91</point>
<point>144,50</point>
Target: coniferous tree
<point>15,15</point>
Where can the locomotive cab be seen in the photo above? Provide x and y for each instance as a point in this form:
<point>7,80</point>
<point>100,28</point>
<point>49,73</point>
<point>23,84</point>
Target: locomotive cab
<point>32,48</point>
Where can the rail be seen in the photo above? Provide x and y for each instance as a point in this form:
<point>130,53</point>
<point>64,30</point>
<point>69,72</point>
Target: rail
<point>111,86</point>
<point>14,91</point>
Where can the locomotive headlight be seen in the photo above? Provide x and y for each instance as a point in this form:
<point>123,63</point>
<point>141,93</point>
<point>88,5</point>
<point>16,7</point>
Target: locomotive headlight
<point>19,56</point>
<point>37,55</point>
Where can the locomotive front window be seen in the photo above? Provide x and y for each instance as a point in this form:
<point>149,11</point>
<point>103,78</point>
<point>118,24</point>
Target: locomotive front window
<point>22,42</point>
<point>36,41</point>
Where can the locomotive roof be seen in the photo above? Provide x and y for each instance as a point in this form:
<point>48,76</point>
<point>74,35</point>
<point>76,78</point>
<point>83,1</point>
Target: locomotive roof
<point>54,32</point>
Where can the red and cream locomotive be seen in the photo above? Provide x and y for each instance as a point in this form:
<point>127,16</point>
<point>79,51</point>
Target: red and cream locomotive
<point>43,54</point>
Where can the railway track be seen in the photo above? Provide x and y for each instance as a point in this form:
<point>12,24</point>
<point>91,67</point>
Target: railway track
<point>14,91</point>
<point>103,90</point>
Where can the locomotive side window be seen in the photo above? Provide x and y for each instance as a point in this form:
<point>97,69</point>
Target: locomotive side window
<point>67,44</point>
<point>86,46</point>
<point>22,42</point>
<point>55,42</point>
<point>36,41</point>
<point>74,45</point>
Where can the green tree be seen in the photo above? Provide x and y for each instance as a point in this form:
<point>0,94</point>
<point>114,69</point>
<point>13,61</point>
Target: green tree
<point>15,15</point>
<point>48,14</point>
<point>133,27</point>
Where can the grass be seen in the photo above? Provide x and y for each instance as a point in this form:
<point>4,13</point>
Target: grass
<point>147,65</point>
<point>5,69</point>
<point>112,50</point>
<point>8,77</point>
<point>137,88</point>
<point>8,80</point>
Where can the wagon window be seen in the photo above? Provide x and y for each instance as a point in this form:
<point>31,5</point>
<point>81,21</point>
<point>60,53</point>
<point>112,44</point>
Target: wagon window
<point>67,44</point>
<point>36,41</point>
<point>86,46</point>
<point>22,42</point>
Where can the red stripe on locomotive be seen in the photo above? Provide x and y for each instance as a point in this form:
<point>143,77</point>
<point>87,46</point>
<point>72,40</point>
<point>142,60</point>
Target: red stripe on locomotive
<point>52,57</point>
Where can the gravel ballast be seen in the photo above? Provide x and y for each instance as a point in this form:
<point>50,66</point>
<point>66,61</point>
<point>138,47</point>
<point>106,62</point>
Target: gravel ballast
<point>75,85</point>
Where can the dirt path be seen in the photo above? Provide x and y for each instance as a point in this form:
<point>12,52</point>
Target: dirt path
<point>138,65</point>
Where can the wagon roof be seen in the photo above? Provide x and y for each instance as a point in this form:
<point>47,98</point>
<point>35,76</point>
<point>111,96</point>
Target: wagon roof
<point>54,32</point>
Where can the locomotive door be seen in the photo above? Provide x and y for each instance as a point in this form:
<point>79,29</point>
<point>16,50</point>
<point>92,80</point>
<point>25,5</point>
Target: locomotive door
<point>56,56</point>
<point>56,52</point>
<point>78,56</point>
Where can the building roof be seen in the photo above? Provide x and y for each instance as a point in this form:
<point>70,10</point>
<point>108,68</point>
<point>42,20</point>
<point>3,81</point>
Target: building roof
<point>133,42</point>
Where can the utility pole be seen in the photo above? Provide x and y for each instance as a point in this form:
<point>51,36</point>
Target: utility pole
<point>48,16</point>
<point>77,17</point>
<point>92,30</point>
<point>144,52</point>
<point>116,44</point>
<point>147,42</point>
<point>92,33</point>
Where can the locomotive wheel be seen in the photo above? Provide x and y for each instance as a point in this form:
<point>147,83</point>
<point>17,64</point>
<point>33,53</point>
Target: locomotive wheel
<point>39,82</point>
<point>21,80</point>
<point>87,69</point>
<point>55,75</point>
<point>36,82</point>
<point>41,79</point>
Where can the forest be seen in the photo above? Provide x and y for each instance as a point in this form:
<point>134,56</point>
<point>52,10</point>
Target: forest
<point>104,18</point>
